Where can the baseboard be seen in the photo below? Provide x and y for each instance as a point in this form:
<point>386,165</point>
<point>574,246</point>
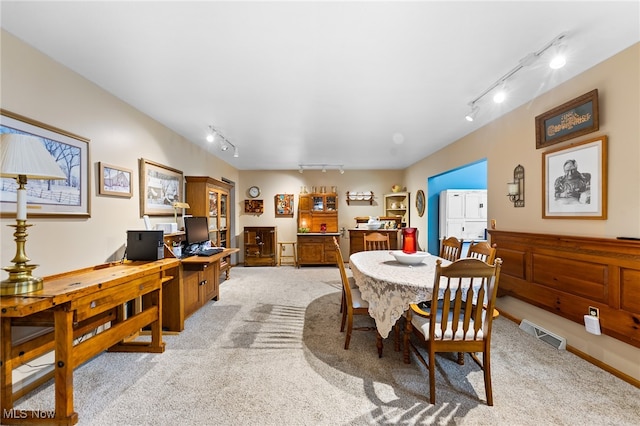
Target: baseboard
<point>606,367</point>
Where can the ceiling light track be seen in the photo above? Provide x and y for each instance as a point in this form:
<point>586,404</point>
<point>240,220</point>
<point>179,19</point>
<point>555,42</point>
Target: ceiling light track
<point>322,167</point>
<point>224,142</point>
<point>528,60</point>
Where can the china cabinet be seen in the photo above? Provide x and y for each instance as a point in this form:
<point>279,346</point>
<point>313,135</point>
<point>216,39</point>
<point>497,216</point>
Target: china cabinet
<point>317,225</point>
<point>210,197</point>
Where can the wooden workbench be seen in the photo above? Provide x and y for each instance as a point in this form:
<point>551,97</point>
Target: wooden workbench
<point>74,304</point>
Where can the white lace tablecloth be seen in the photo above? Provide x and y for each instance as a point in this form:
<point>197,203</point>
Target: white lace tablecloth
<point>389,286</point>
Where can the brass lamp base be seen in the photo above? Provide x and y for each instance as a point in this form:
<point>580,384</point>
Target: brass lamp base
<point>20,281</point>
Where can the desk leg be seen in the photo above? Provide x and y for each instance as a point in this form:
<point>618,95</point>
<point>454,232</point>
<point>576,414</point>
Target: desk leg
<point>6,369</point>
<point>379,344</point>
<point>63,320</point>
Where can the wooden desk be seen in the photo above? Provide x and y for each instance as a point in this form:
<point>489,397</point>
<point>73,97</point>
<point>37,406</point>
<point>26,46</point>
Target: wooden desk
<point>74,304</point>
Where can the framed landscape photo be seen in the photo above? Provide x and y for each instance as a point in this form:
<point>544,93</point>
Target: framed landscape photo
<point>160,187</point>
<point>116,181</point>
<point>284,205</point>
<point>68,197</point>
<point>574,181</point>
<point>575,118</point>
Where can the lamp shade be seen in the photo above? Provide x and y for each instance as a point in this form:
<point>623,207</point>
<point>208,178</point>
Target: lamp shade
<point>24,155</point>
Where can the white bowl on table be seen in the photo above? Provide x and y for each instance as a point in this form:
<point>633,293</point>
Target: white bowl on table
<point>372,225</point>
<point>409,258</point>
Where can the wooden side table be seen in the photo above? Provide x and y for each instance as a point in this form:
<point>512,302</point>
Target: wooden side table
<point>290,259</point>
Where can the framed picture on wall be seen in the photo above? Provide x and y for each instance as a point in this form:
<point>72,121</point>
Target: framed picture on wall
<point>284,205</point>
<point>575,118</point>
<point>160,187</point>
<point>68,197</point>
<point>114,180</point>
<point>575,181</point>
<point>254,206</point>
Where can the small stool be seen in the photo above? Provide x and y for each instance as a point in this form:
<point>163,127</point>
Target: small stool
<point>292,259</point>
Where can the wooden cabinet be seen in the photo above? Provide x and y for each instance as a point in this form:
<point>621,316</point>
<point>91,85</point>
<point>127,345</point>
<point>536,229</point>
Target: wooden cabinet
<point>396,204</point>
<point>356,239</point>
<point>210,197</point>
<point>200,284</point>
<point>260,245</point>
<point>318,212</point>
<point>317,249</point>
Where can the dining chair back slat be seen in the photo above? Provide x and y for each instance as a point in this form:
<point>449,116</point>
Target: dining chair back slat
<point>451,249</point>
<point>376,241</point>
<point>482,250</point>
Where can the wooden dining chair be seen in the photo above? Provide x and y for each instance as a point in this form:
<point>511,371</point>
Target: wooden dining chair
<point>451,248</point>
<point>482,250</point>
<point>458,322</point>
<point>376,241</point>
<point>353,302</point>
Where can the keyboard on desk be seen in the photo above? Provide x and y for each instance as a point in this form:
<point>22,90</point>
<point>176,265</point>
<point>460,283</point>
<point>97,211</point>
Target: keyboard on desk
<point>209,251</point>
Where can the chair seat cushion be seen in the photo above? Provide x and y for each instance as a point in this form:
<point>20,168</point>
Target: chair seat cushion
<point>422,324</point>
<point>358,301</point>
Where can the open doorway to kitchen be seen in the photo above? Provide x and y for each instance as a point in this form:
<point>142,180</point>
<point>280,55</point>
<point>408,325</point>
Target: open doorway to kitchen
<point>469,176</point>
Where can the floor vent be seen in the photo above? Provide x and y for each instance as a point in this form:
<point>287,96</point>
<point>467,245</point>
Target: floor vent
<point>544,335</point>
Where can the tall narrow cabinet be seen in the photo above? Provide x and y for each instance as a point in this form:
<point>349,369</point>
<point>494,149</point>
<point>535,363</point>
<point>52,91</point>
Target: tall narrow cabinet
<point>210,197</point>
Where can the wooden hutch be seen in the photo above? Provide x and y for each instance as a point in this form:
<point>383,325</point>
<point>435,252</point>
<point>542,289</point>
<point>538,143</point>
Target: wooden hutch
<point>210,197</point>
<point>317,225</point>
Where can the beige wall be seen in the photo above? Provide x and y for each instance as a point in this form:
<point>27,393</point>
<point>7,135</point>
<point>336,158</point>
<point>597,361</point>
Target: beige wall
<point>510,141</point>
<point>36,87</point>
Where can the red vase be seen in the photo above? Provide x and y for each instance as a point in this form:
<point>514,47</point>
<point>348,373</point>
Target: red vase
<point>409,240</point>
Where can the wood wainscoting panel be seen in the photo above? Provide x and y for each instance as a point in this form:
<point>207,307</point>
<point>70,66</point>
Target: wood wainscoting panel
<point>576,277</point>
<point>568,274</point>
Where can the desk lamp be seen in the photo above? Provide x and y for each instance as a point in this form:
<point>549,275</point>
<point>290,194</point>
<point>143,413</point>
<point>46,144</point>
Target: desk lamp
<point>24,157</point>
<point>177,205</point>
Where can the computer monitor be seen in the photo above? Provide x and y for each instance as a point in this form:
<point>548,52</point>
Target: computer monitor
<point>196,229</point>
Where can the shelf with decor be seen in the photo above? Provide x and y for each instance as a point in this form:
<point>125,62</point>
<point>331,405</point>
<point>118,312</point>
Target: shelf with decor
<point>364,196</point>
<point>396,204</point>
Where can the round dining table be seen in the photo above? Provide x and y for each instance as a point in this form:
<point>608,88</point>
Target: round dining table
<point>390,286</point>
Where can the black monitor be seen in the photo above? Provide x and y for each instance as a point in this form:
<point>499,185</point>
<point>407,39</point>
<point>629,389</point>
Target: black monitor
<point>196,229</point>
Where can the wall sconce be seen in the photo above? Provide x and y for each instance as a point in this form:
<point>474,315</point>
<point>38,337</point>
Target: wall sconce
<point>515,189</point>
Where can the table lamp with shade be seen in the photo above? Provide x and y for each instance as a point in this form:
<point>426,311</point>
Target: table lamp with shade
<point>24,157</point>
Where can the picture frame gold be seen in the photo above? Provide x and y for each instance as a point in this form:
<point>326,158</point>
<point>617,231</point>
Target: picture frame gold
<point>160,187</point>
<point>45,198</point>
<point>114,180</point>
<point>577,117</point>
<point>574,180</point>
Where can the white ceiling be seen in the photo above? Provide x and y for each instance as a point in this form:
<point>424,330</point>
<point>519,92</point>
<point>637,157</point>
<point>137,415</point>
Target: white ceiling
<point>321,82</point>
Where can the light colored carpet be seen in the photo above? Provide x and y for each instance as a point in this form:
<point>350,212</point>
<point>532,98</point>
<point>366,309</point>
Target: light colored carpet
<point>270,353</point>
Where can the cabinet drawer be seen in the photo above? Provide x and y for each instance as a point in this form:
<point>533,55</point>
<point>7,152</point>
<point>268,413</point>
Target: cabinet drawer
<point>93,304</point>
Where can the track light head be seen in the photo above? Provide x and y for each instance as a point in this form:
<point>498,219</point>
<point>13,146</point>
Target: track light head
<point>472,114</point>
<point>235,152</point>
<point>210,138</point>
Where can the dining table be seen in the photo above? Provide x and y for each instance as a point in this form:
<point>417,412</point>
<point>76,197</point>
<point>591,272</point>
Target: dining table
<point>390,287</point>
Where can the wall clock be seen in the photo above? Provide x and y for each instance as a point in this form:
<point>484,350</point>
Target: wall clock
<point>420,202</point>
<point>254,192</point>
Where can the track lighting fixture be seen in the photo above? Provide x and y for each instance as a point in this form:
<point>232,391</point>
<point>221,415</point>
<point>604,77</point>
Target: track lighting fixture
<point>557,62</point>
<point>224,143</point>
<point>472,114</point>
<point>321,167</point>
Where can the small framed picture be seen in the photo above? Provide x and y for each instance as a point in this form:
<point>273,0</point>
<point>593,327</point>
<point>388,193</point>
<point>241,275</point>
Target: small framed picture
<point>254,206</point>
<point>575,181</point>
<point>284,205</point>
<point>114,180</point>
